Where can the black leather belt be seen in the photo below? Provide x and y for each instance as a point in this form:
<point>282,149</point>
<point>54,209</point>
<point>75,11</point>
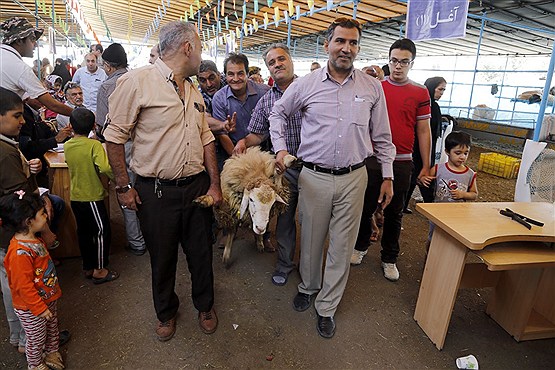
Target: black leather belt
<point>333,171</point>
<point>182,181</point>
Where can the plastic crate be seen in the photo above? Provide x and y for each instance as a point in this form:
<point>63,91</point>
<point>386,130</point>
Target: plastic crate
<point>499,165</point>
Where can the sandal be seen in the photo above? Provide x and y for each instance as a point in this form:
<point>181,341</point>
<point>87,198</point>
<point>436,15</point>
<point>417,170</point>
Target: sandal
<point>54,361</point>
<point>110,276</point>
<point>279,278</point>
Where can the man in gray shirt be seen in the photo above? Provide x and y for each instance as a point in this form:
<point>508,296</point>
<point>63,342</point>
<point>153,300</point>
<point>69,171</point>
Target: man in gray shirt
<point>344,121</point>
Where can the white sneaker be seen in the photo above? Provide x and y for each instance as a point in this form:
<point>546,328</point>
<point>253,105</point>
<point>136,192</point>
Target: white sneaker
<point>357,256</point>
<point>390,271</point>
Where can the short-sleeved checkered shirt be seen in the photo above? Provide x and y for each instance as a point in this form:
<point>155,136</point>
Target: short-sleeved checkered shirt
<point>259,123</point>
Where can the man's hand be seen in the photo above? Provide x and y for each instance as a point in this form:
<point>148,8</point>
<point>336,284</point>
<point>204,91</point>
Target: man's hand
<point>63,134</point>
<point>48,207</point>
<point>424,177</point>
<point>229,126</point>
<point>240,147</point>
<point>279,160</point>
<point>216,193</point>
<point>35,166</point>
<point>46,315</point>
<point>129,199</point>
<point>386,193</point>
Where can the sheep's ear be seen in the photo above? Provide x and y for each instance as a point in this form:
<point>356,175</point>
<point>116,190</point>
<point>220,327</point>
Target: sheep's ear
<point>279,199</point>
<point>244,204</point>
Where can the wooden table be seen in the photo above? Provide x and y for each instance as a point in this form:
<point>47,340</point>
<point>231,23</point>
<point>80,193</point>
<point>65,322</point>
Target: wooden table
<point>58,174</point>
<point>522,274</point>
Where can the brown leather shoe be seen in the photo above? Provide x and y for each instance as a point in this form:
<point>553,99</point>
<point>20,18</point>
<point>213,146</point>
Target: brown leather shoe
<point>208,321</point>
<point>268,246</point>
<point>165,330</point>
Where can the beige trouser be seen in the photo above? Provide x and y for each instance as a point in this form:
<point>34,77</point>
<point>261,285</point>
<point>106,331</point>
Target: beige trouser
<point>328,203</point>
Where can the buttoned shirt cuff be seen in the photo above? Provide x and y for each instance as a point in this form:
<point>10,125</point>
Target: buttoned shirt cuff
<point>279,145</point>
<point>387,170</point>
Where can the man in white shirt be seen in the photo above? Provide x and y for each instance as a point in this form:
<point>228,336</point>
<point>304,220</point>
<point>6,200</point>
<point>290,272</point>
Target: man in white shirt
<point>90,78</point>
<point>19,39</point>
<point>74,96</point>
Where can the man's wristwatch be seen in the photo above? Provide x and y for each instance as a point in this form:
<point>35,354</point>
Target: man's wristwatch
<point>123,189</point>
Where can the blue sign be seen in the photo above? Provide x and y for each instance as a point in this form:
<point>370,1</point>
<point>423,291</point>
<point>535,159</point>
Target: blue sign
<point>436,19</point>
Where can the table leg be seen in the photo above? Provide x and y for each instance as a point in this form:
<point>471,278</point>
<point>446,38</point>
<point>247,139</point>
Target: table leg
<point>440,283</point>
<point>67,232</point>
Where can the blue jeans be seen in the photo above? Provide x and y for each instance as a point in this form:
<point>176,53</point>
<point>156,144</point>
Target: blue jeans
<point>17,334</point>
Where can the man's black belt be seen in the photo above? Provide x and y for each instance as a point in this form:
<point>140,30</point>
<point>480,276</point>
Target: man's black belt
<point>333,171</point>
<point>182,181</point>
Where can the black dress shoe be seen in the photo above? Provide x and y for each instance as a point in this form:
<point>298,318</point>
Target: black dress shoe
<point>64,337</point>
<point>326,326</point>
<point>408,211</point>
<point>301,302</point>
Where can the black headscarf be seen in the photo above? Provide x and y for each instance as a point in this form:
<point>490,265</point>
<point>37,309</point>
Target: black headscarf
<point>435,122</point>
<point>61,70</point>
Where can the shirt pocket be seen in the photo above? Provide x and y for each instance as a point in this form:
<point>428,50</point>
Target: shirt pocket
<point>360,112</point>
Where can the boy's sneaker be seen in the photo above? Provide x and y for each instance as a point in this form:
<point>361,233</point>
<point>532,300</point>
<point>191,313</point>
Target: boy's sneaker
<point>390,271</point>
<point>357,256</point>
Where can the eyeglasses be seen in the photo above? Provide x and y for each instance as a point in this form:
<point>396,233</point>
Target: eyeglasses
<point>403,62</point>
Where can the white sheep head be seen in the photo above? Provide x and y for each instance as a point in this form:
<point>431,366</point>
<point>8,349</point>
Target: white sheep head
<point>259,202</point>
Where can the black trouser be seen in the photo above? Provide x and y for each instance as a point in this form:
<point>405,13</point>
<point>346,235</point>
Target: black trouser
<point>171,220</point>
<point>93,233</point>
<point>426,192</point>
<point>393,213</point>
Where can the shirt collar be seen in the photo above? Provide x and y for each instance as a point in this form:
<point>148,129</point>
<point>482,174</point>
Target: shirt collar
<point>276,87</point>
<point>165,71</point>
<point>117,73</point>
<point>251,90</point>
<point>325,74</point>
<point>8,140</point>
<point>9,48</point>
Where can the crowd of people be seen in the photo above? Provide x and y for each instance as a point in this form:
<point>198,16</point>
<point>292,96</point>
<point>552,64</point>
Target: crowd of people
<point>362,137</point>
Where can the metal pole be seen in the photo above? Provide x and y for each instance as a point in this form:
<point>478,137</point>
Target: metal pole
<point>289,32</point>
<point>217,32</point>
<point>476,62</point>
<point>545,95</point>
<point>355,5</point>
<point>242,35</point>
<point>317,47</point>
<point>502,82</point>
<point>39,64</point>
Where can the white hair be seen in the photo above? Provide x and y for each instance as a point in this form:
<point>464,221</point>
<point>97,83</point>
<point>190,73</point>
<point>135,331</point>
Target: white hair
<point>175,34</point>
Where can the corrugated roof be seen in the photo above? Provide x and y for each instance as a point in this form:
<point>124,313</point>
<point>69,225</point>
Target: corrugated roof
<point>381,19</point>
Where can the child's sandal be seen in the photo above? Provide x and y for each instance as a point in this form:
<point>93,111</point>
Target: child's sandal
<point>54,361</point>
<point>42,366</point>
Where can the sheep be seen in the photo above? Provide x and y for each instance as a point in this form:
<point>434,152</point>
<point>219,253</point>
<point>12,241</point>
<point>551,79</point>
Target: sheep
<point>249,181</point>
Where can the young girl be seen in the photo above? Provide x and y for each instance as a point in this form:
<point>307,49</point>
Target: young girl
<point>32,278</point>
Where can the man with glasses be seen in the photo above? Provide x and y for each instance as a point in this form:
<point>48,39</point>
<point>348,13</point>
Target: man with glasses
<point>74,99</point>
<point>344,120</point>
<point>408,105</point>
<point>90,78</point>
<point>19,40</point>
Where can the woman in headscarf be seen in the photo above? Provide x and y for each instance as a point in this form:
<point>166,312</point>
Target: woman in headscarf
<point>61,70</point>
<point>436,88</point>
